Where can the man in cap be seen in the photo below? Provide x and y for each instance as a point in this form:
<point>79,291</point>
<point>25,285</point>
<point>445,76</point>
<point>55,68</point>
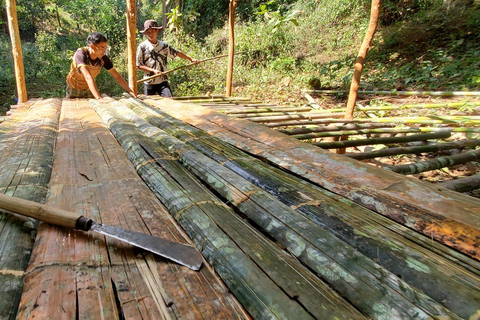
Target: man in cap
<point>86,64</point>
<point>152,57</point>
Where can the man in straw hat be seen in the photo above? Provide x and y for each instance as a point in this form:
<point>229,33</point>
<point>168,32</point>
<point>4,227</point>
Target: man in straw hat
<point>152,57</point>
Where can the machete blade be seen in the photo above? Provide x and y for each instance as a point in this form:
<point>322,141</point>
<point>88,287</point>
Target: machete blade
<point>180,253</point>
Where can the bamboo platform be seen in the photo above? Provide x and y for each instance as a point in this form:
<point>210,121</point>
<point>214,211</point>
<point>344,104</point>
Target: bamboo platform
<point>287,230</point>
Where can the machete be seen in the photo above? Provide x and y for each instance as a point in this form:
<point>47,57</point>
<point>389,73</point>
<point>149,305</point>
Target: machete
<point>182,254</point>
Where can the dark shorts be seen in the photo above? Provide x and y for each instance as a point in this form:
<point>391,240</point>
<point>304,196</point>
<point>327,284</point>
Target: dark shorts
<point>162,89</point>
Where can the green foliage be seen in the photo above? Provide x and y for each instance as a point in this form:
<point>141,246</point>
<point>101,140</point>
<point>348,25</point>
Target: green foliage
<point>287,46</point>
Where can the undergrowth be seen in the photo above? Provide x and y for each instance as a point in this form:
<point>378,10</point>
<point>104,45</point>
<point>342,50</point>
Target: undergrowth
<point>287,47</point>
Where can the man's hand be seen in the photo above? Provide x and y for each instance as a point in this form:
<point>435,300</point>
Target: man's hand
<point>196,61</point>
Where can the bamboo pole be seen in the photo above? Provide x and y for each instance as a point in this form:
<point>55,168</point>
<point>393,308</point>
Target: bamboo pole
<point>16,50</point>
<point>414,150</point>
<point>454,105</point>
<point>178,68</point>
<point>315,135</point>
<point>231,46</point>
<point>394,247</point>
<point>387,140</point>
<point>131,15</point>
<point>329,128</point>
<point>437,163</point>
<point>362,54</point>
<point>463,184</point>
<point>404,93</point>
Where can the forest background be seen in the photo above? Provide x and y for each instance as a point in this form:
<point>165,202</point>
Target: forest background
<point>284,46</point>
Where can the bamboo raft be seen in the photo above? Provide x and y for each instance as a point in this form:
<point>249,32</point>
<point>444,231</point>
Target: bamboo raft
<point>287,230</point>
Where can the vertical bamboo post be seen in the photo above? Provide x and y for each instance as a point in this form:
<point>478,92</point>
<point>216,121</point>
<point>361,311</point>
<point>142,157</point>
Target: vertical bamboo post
<point>131,44</point>
<point>16,50</point>
<point>372,27</point>
<point>231,47</point>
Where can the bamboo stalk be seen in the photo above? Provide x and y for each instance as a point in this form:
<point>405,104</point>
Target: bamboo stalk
<point>414,150</point>
<point>178,68</point>
<point>453,105</point>
<point>355,225</point>
<point>256,270</point>
<point>340,133</point>
<point>243,111</point>
<point>330,128</point>
<point>403,93</point>
<point>463,184</point>
<point>386,140</point>
<point>300,116</point>
<point>437,163</point>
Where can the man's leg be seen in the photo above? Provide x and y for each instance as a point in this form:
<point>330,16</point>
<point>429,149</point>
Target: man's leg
<point>165,90</point>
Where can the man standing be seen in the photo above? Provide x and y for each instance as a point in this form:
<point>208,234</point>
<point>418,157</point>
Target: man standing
<point>86,64</point>
<point>152,57</point>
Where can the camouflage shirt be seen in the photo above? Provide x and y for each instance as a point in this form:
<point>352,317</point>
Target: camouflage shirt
<point>155,56</point>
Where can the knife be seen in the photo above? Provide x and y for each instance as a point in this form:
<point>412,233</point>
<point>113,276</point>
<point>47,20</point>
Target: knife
<point>180,253</point>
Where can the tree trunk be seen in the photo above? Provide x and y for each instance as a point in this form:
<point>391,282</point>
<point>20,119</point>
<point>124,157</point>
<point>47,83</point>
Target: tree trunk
<point>231,46</point>
<point>362,54</point>
<point>16,50</point>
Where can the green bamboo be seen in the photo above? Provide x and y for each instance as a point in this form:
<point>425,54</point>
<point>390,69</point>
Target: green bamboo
<point>241,111</point>
<point>300,116</point>
<point>454,105</point>
<point>315,135</point>
<point>436,163</point>
<point>329,128</point>
<point>369,232</point>
<point>247,262</point>
<point>386,140</point>
<point>414,150</point>
<point>403,93</point>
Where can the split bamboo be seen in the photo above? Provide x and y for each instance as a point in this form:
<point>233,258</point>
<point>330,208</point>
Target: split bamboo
<point>414,150</point>
<point>436,163</point>
<point>368,232</point>
<point>27,141</point>
<point>387,193</point>
<point>75,274</point>
<point>386,140</point>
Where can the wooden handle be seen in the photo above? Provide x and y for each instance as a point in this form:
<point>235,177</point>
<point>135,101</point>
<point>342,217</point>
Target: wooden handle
<point>44,213</point>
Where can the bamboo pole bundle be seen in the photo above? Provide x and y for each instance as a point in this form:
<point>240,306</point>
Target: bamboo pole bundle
<point>370,233</point>
<point>402,93</point>
<point>463,184</point>
<point>329,128</point>
<point>314,135</point>
<point>385,140</point>
<point>385,192</point>
<point>290,227</point>
<point>27,140</point>
<point>260,274</point>
<point>436,163</point>
<point>414,150</point>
